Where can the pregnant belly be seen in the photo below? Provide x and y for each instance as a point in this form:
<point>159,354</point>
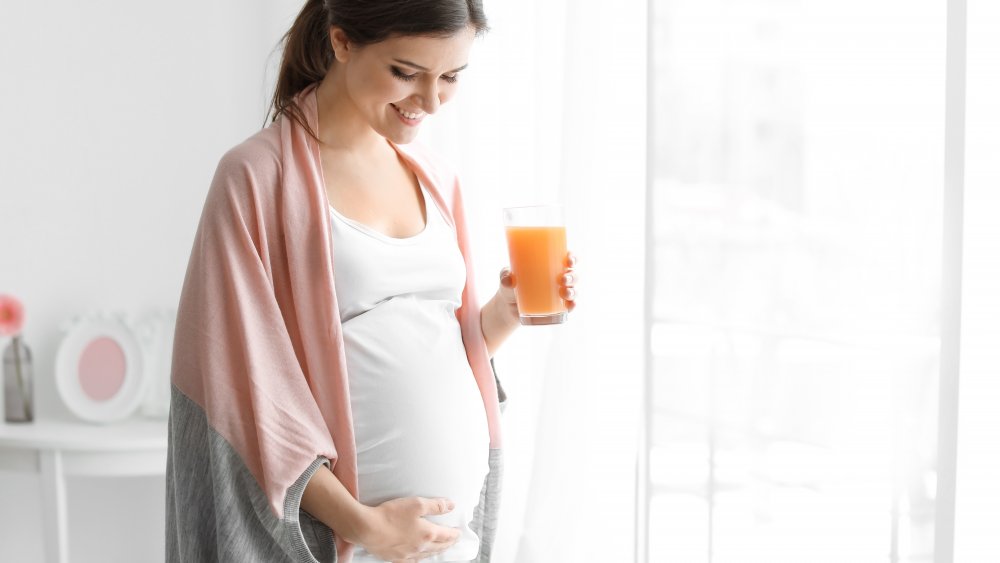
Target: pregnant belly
<point>419,422</point>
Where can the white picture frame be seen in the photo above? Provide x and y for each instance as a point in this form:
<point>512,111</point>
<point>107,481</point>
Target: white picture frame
<point>106,386</point>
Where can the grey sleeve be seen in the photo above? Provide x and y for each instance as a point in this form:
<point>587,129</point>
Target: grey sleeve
<point>216,511</point>
<point>485,517</point>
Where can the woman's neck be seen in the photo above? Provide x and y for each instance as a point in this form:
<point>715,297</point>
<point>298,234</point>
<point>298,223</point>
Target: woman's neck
<point>341,126</point>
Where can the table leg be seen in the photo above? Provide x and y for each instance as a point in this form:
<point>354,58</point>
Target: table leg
<point>54,507</point>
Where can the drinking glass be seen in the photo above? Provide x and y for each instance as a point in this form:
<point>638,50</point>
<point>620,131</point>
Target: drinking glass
<point>536,242</point>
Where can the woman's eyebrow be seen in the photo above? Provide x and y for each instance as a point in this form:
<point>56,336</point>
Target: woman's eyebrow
<point>418,67</point>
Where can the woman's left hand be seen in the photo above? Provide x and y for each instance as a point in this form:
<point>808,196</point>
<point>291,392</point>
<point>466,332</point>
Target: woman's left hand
<point>567,286</point>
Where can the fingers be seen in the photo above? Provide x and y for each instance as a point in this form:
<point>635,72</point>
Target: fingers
<point>568,288</point>
<point>445,537</point>
<point>436,506</point>
<point>568,295</point>
<point>434,549</point>
<point>568,282</point>
<point>429,551</point>
<point>437,536</point>
<point>433,533</point>
<point>570,261</point>
<point>570,277</point>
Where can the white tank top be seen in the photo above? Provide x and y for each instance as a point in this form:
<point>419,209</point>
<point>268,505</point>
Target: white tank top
<point>419,422</point>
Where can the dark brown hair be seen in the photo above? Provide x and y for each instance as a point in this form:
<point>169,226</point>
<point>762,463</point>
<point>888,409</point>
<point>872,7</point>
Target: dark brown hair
<point>308,55</point>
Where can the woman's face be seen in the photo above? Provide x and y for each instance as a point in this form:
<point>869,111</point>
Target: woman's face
<point>396,83</point>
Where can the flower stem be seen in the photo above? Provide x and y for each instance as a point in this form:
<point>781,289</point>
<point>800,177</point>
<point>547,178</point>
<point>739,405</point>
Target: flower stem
<point>20,378</point>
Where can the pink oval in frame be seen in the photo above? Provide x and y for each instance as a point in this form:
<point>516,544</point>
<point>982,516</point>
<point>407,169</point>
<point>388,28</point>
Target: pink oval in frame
<point>102,369</point>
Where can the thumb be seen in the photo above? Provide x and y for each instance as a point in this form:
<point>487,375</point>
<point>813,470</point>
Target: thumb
<point>507,278</point>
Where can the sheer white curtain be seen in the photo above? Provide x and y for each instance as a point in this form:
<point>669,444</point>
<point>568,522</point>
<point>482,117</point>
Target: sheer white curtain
<point>552,109</point>
<point>977,511</point>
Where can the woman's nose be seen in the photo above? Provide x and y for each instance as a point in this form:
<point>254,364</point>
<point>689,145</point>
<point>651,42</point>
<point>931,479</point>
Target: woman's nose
<point>431,98</point>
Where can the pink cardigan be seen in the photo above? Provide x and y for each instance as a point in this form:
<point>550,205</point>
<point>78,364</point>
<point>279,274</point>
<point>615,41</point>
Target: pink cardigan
<point>258,346</point>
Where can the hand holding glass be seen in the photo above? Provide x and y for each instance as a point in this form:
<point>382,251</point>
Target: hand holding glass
<point>536,242</point>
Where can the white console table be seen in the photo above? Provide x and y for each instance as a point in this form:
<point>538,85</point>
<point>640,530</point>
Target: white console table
<point>57,449</point>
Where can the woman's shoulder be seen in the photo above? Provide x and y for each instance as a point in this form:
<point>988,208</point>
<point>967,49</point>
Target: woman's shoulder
<point>258,156</point>
<point>248,176</point>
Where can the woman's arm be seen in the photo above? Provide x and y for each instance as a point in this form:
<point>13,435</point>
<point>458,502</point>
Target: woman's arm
<point>394,530</point>
<point>499,317</point>
<point>327,500</point>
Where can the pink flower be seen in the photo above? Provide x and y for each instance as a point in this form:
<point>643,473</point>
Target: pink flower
<point>11,315</point>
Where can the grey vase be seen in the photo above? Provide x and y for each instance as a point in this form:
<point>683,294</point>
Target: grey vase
<point>18,382</point>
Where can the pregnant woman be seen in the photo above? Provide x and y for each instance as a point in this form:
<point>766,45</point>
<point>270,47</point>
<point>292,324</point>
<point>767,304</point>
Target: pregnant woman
<point>333,395</point>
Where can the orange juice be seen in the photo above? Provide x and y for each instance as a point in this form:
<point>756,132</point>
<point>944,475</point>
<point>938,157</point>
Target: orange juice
<point>537,259</point>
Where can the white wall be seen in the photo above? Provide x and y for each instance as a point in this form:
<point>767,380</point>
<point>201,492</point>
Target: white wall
<point>115,113</point>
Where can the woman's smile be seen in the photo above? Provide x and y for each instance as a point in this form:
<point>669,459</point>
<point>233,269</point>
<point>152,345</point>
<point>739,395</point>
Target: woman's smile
<point>409,117</point>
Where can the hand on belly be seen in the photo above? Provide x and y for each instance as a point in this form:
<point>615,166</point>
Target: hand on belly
<point>397,529</point>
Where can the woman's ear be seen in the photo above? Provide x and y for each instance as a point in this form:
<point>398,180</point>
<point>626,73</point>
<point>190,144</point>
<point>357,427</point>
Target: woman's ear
<point>340,43</point>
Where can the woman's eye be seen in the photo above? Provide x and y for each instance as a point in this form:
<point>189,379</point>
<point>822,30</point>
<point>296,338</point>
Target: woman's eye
<point>450,78</point>
<point>402,75</point>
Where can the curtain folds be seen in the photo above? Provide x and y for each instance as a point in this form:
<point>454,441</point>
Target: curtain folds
<point>553,109</point>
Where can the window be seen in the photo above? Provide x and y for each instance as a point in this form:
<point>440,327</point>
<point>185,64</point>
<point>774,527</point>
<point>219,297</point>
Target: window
<point>795,335</point>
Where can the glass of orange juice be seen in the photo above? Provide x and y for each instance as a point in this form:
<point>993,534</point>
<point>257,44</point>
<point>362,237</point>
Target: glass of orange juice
<point>536,241</point>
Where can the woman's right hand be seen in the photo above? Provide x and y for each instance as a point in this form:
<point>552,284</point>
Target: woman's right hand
<point>396,530</point>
